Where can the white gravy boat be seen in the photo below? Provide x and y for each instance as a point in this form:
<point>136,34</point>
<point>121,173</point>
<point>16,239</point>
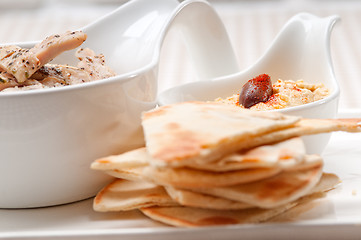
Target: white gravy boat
<point>48,138</point>
<point>301,50</point>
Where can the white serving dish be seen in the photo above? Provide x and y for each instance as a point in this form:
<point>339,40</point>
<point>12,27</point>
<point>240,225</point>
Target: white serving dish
<point>301,50</point>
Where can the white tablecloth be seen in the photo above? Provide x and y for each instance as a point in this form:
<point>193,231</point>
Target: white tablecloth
<point>251,25</point>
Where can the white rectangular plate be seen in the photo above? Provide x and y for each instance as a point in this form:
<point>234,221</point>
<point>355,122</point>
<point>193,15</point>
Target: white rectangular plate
<point>338,216</point>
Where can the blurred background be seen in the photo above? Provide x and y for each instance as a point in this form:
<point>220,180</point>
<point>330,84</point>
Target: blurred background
<point>251,25</point>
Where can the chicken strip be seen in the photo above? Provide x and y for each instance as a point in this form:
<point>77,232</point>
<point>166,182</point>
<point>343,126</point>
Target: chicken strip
<point>23,63</point>
<point>48,76</point>
<point>29,84</point>
<point>94,64</point>
<point>8,51</point>
<point>7,80</point>
<point>52,75</point>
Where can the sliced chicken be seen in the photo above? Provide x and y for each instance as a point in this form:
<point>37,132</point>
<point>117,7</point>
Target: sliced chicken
<point>94,64</point>
<point>27,85</point>
<point>25,69</point>
<point>52,75</point>
<point>23,63</point>
<point>8,51</point>
<point>7,80</point>
<point>48,76</point>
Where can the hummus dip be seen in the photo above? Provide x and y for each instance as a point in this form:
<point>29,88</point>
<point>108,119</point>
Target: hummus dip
<point>286,93</point>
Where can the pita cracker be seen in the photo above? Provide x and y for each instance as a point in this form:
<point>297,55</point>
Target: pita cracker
<point>302,128</point>
<point>131,159</point>
<point>197,132</point>
<point>131,174</point>
<point>327,182</point>
<point>194,199</point>
<point>282,155</point>
<point>192,178</point>
<point>315,126</point>
<point>308,161</point>
<point>123,195</point>
<point>199,200</point>
<point>180,177</point>
<point>128,165</point>
<point>203,131</point>
<point>184,177</point>
<point>197,217</point>
<point>271,192</point>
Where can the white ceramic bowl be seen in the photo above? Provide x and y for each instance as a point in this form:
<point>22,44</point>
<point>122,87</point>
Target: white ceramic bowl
<point>48,138</point>
<point>300,51</point>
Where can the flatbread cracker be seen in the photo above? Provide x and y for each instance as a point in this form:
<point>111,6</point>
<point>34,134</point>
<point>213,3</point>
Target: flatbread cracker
<point>200,200</point>
<point>327,182</point>
<point>131,174</point>
<point>302,128</point>
<point>173,137</point>
<point>193,179</point>
<point>123,195</point>
<point>197,217</point>
<point>131,159</point>
<point>195,199</point>
<point>309,161</point>
<point>283,155</point>
<point>271,192</point>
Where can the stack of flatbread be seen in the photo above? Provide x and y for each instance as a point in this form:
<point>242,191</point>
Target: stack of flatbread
<point>211,164</point>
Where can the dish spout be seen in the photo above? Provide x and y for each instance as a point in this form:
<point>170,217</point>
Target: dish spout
<point>301,50</point>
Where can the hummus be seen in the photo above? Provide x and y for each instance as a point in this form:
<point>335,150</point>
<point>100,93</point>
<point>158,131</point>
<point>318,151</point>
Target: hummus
<point>286,93</point>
